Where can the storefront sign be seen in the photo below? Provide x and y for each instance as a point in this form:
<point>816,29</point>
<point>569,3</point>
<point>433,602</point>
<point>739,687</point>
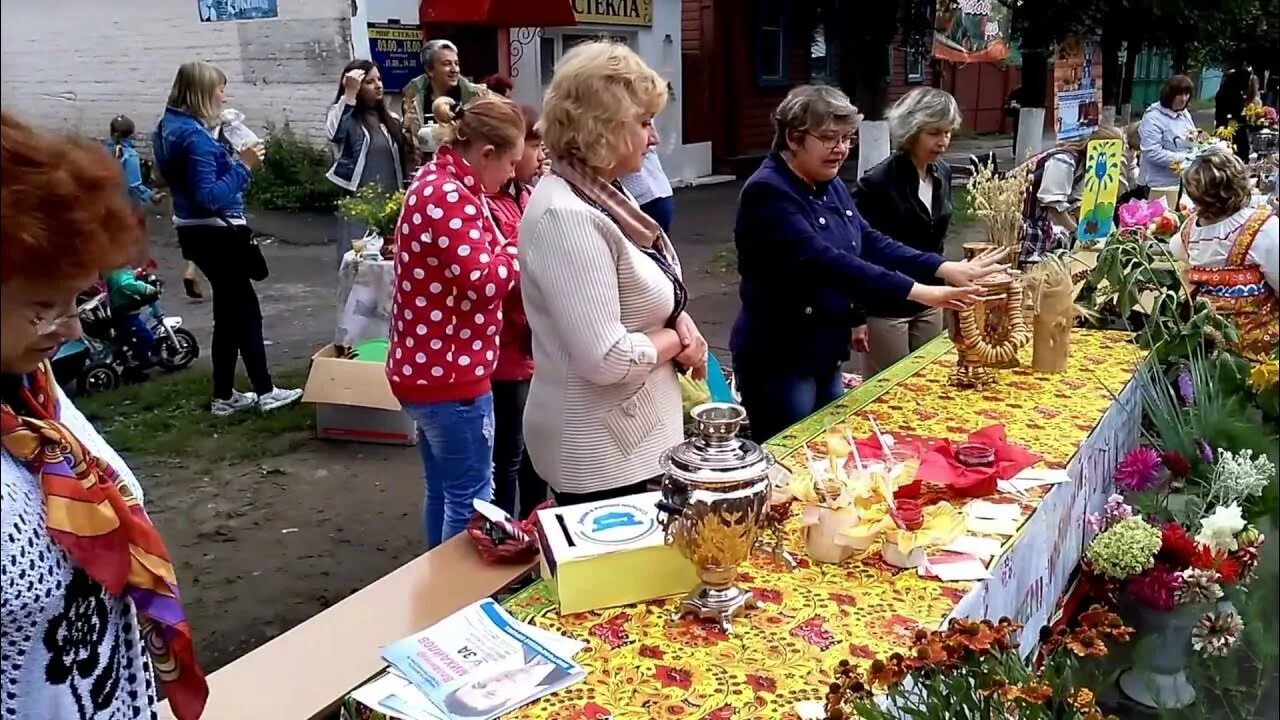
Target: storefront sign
<point>968,31</point>
<point>397,50</point>
<point>614,12</point>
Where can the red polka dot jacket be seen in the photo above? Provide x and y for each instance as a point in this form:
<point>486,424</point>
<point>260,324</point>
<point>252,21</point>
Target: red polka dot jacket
<point>453,270</point>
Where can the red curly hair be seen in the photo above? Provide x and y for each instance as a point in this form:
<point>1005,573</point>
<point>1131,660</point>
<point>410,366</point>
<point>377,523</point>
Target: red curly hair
<point>64,211</point>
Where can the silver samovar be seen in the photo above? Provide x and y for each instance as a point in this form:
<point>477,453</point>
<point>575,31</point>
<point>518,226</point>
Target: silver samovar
<point>714,494</point>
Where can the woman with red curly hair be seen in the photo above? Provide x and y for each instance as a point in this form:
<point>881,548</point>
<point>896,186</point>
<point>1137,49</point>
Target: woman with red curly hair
<point>90,600</point>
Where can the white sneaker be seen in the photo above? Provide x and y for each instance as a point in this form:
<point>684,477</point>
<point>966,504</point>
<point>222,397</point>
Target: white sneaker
<point>239,401</point>
<point>278,398</point>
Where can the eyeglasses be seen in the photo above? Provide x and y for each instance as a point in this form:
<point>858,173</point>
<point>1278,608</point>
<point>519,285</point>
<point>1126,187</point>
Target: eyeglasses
<point>831,142</point>
<point>48,326</point>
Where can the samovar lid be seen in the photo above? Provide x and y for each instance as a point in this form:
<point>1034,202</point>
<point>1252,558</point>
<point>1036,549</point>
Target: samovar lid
<point>716,454</point>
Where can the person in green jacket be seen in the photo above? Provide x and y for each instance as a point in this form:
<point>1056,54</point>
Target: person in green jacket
<point>443,77</point>
<point>128,295</point>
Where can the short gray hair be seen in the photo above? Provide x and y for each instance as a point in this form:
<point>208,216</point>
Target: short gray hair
<point>431,48</point>
<point>810,107</point>
<point>919,110</point>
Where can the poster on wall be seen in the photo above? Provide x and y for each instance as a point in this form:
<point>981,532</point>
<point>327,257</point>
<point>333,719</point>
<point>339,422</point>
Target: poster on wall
<point>1077,88</point>
<point>968,31</point>
<point>397,49</point>
<point>227,10</point>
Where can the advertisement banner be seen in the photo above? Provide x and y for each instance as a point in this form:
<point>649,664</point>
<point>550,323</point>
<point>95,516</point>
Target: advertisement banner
<point>969,31</point>
<point>1077,88</point>
<point>397,49</point>
<point>226,10</point>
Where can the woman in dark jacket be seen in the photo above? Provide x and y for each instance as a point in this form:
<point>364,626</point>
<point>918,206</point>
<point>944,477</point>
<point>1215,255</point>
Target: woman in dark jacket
<point>807,259</point>
<point>908,197</point>
<point>1238,89</point>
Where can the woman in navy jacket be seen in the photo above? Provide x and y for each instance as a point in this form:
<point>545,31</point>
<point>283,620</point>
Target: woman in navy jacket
<point>808,260</point>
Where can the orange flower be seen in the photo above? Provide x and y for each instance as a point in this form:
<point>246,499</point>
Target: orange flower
<point>1083,701</point>
<point>887,675</point>
<point>1106,623</point>
<point>1035,692</point>
<point>979,637</point>
<point>1087,643</point>
<point>1001,689</point>
<point>929,654</point>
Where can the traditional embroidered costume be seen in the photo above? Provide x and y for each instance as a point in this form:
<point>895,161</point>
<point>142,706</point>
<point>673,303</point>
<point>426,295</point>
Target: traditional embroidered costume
<point>1235,265</point>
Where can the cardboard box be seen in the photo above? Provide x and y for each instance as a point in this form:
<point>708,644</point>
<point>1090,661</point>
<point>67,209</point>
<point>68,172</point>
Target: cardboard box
<point>354,402</point>
<point>610,553</point>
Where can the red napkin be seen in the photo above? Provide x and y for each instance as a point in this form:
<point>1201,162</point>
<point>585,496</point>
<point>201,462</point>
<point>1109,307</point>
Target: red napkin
<point>940,466</point>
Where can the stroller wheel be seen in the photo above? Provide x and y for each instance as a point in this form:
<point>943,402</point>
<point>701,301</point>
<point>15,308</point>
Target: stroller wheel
<point>99,377</point>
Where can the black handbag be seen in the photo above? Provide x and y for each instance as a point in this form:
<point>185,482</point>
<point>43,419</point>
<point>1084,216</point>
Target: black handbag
<point>249,253</point>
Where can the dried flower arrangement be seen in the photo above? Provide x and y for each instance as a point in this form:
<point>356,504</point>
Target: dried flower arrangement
<point>974,670</point>
<point>997,199</point>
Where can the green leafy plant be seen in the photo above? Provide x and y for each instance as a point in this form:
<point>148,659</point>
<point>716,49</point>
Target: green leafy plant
<point>292,176</point>
<point>1136,275</point>
<point>374,208</point>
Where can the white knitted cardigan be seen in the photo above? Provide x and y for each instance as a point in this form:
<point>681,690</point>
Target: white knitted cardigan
<point>68,650</point>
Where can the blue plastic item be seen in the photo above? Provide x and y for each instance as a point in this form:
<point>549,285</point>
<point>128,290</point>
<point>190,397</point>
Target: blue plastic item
<point>716,383</point>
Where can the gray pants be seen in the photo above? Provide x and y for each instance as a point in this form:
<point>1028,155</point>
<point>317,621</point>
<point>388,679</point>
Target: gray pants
<point>892,339</point>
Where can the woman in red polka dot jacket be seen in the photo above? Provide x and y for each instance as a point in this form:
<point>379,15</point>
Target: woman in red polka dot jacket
<point>454,268</point>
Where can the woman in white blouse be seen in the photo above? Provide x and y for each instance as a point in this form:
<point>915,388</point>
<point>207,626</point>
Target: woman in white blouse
<point>602,287</point>
<point>1233,250</point>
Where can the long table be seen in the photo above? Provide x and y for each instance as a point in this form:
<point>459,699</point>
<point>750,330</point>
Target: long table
<point>643,665</point>
<point>640,665</point>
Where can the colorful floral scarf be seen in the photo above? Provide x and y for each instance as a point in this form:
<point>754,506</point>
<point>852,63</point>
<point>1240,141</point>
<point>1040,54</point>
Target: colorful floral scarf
<point>96,518</point>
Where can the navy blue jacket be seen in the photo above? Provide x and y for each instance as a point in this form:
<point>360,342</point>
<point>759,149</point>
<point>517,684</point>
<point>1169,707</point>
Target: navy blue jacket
<point>205,179</point>
<point>807,260</point>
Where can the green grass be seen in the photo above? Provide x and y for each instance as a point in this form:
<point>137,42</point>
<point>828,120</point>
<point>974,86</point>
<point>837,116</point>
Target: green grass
<point>168,417</point>
<point>961,208</point>
<point>725,261</point>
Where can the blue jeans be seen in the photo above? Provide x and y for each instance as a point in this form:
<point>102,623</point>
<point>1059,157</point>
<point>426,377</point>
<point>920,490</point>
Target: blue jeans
<point>777,400</point>
<point>456,442</point>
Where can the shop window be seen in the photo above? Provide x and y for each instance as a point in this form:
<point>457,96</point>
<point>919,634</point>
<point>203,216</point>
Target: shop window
<point>553,47</point>
<point>771,43</point>
<point>820,65</point>
<point>915,66</point>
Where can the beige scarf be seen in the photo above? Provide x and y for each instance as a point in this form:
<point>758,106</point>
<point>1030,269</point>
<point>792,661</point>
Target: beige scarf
<point>638,227</point>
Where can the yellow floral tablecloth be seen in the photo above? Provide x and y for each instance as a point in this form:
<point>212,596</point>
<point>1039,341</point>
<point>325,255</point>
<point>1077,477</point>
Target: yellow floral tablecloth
<point>640,664</point>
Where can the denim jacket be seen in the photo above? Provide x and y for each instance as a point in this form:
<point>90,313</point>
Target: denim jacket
<point>350,141</point>
<point>206,180</point>
<point>123,151</point>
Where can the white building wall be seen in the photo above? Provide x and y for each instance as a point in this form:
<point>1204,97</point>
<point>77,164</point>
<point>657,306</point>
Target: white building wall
<point>72,65</point>
<point>658,44</point>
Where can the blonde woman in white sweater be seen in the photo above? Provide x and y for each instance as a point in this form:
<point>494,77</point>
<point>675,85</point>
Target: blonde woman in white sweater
<point>602,287</point>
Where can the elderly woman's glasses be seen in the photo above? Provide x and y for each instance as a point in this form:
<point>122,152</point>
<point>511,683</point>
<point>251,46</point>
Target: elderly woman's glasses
<point>48,325</point>
<point>831,141</point>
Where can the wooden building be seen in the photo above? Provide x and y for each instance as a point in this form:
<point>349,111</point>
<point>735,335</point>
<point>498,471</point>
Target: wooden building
<point>740,59</point>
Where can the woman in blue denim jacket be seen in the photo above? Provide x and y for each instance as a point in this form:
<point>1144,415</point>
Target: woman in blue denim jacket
<point>367,141</point>
<point>208,184</point>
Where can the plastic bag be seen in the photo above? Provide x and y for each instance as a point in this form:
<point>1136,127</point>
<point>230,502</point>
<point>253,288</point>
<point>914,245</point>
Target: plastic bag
<point>234,130</point>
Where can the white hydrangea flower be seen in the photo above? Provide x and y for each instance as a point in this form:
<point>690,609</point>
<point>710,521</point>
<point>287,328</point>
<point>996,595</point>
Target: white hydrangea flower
<point>1218,531</point>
